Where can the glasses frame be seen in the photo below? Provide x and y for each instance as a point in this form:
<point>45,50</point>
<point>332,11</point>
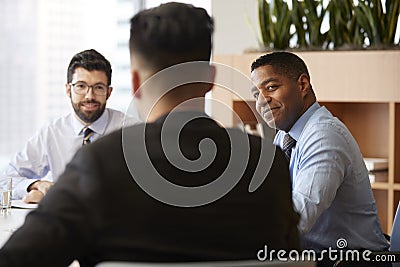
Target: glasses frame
<point>88,88</point>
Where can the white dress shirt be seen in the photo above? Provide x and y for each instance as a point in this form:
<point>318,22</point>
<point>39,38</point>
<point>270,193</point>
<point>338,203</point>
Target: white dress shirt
<point>53,146</point>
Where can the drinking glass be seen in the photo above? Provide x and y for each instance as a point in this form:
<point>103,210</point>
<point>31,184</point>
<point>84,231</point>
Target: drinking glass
<point>5,194</point>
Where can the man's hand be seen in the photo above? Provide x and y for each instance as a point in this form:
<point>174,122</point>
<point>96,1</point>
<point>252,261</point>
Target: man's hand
<point>34,196</point>
<point>36,191</point>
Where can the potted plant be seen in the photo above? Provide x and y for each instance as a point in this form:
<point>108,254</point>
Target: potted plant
<point>367,24</point>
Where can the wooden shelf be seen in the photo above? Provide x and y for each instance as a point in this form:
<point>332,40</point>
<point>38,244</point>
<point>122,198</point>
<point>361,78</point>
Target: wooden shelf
<point>396,186</point>
<point>364,121</point>
<point>395,141</point>
<point>361,89</point>
<point>380,185</point>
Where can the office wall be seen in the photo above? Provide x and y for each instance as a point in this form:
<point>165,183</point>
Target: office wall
<point>235,33</point>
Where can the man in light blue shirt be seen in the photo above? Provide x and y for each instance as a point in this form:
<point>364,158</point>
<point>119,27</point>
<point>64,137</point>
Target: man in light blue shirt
<point>331,188</point>
<point>44,157</point>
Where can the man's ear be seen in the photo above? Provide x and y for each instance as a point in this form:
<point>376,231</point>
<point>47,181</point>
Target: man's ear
<point>213,72</point>
<point>304,84</point>
<point>109,91</point>
<point>136,84</point>
<point>68,90</point>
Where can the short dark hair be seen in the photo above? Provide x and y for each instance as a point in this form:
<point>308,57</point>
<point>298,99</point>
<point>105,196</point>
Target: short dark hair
<point>284,63</point>
<point>89,60</point>
<point>170,34</point>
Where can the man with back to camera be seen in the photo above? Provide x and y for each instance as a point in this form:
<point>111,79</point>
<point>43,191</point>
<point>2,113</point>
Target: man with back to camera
<point>98,211</point>
<point>88,87</point>
<point>331,188</point>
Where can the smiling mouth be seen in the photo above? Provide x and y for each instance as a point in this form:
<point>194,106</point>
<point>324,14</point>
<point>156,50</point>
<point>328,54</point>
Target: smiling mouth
<point>90,106</point>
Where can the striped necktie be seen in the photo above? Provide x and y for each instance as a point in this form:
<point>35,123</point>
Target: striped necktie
<point>87,133</point>
<point>288,144</point>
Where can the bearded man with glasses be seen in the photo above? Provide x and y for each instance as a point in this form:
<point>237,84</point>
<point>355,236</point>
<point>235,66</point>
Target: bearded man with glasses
<point>37,166</point>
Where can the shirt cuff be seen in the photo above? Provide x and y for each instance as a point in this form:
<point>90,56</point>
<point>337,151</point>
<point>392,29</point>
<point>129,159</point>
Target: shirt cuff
<point>21,189</point>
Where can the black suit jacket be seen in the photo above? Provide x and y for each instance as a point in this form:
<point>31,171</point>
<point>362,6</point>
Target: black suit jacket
<point>96,211</point>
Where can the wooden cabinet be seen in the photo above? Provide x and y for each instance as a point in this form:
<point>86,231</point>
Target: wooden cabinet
<point>361,88</point>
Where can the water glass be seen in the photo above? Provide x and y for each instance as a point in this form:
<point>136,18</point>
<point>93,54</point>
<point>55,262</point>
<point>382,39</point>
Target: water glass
<point>5,194</point>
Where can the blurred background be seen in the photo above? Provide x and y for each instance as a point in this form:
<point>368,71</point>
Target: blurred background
<point>38,39</point>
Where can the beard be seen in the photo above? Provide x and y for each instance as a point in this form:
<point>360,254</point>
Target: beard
<point>88,116</point>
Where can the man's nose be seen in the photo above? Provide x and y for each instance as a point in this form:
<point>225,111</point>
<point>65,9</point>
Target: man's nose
<point>89,93</point>
<point>262,99</point>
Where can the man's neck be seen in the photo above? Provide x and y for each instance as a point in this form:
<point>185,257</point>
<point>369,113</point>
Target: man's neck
<point>165,107</point>
<point>86,124</point>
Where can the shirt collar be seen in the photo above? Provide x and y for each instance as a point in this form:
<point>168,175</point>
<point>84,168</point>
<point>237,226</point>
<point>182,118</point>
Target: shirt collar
<point>298,127</point>
<point>99,126</point>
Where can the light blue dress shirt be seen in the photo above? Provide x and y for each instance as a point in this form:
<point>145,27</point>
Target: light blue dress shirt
<point>46,154</point>
<point>331,189</point>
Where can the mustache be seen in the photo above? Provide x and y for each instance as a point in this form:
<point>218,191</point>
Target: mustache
<point>90,102</point>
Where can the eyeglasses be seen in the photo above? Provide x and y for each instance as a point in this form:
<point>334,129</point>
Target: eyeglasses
<point>82,88</point>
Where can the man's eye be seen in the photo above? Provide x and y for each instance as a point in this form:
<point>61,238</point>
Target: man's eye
<point>99,87</point>
<point>272,87</point>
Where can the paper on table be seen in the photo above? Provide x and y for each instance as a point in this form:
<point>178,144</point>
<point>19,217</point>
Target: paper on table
<point>376,164</point>
<point>19,203</point>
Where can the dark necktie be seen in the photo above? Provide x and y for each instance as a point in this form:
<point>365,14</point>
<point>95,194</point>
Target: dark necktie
<point>87,133</point>
<point>288,144</point>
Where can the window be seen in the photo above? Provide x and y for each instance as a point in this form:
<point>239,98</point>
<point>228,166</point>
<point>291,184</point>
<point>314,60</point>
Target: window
<point>40,40</point>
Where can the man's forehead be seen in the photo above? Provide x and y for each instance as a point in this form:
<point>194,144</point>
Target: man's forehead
<point>265,75</point>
